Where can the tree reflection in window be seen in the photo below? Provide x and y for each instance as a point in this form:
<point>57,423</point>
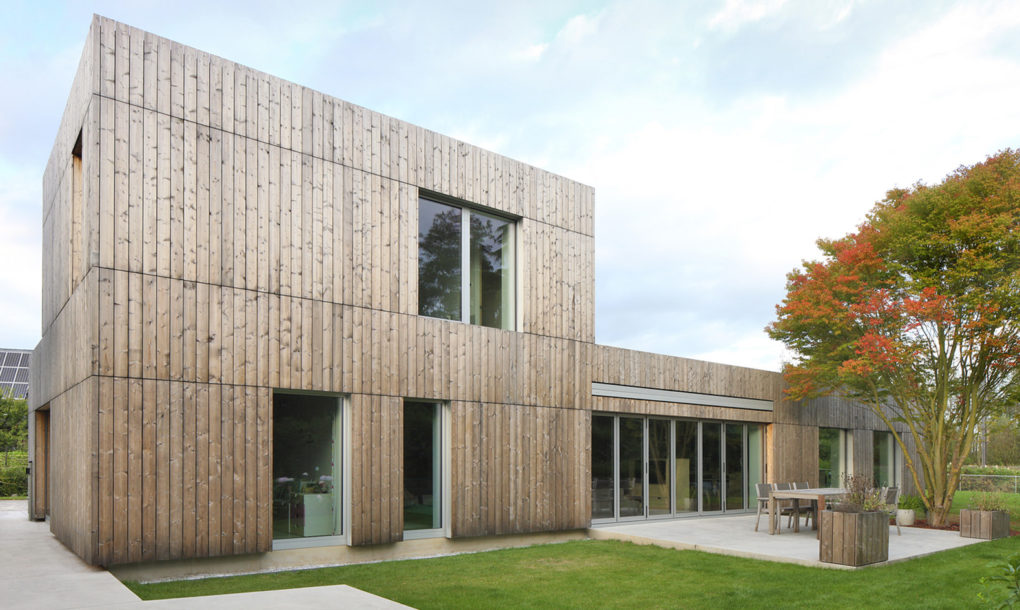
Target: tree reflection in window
<point>490,270</point>
<point>487,276</point>
<point>439,260</point>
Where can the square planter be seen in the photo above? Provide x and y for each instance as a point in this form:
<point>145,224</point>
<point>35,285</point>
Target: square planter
<point>984,524</point>
<point>853,539</point>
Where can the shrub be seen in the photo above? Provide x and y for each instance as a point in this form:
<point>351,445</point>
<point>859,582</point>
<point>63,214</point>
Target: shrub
<point>13,482</point>
<point>912,502</point>
<point>1008,573</point>
<point>10,459</point>
<point>860,496</point>
<point>988,501</point>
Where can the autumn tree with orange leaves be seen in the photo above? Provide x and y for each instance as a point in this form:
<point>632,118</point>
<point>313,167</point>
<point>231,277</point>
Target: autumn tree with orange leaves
<point>917,315</point>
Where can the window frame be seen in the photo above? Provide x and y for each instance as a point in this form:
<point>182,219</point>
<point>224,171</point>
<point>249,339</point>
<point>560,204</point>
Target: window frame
<point>845,443</point>
<point>442,436</point>
<point>342,452</point>
<point>467,209</point>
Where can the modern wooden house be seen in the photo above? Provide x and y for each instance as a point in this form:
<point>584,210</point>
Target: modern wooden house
<point>281,328</point>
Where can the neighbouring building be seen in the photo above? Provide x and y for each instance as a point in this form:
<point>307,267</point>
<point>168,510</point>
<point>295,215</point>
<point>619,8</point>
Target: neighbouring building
<point>282,329</point>
<point>14,365</point>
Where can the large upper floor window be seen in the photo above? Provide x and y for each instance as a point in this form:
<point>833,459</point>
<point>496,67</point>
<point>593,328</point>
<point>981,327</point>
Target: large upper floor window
<point>465,265</point>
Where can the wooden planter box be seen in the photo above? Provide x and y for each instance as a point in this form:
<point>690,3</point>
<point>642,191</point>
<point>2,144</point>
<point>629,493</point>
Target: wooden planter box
<point>853,539</point>
<point>985,524</point>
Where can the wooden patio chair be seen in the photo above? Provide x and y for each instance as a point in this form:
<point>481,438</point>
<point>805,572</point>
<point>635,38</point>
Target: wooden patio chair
<point>891,499</point>
<point>810,516</point>
<point>762,489</point>
<point>785,507</point>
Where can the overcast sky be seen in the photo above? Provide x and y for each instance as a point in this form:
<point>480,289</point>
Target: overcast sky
<point>722,138</point>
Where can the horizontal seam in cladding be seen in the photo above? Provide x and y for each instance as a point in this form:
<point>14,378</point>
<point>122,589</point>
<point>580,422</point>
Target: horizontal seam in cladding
<point>339,163</point>
<point>336,393</point>
<point>342,304</point>
<point>65,391</point>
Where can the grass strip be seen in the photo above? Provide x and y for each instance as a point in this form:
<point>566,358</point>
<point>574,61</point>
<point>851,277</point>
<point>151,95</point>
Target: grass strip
<point>591,573</point>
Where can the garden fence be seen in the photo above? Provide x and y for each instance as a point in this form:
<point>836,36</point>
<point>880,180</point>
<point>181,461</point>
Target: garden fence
<point>990,482</point>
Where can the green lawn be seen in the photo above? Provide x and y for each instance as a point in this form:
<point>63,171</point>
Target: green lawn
<point>616,574</point>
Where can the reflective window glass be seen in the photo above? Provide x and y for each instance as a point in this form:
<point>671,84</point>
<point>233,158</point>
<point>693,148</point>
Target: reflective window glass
<point>439,260</point>
<point>475,285</point>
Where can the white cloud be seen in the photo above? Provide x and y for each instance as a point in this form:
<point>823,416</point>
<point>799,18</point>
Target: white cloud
<point>533,52</point>
<point>737,13</point>
<point>753,351</point>
<point>726,198</point>
<point>578,28</point>
<point>718,152</point>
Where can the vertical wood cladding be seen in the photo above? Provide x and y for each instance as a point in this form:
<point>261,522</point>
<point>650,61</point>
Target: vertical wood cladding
<point>72,469</point>
<point>519,469</point>
<point>643,369</point>
<point>182,470</point>
<point>239,233</point>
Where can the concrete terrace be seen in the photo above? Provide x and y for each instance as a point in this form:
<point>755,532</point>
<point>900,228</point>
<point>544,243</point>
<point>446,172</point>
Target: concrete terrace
<point>735,535</point>
<point>37,571</point>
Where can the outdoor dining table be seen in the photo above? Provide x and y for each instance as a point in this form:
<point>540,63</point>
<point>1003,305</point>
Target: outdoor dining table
<point>819,494</point>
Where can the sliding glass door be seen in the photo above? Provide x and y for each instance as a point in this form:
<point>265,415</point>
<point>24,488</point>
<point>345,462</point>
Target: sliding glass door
<point>734,460</point>
<point>648,467</point>
<point>603,468</point>
<point>632,467</point>
<point>711,472</point>
<point>686,466</point>
<point>659,495</point>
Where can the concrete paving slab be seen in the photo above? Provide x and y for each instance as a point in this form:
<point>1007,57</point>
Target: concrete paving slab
<point>332,596</point>
<point>37,571</point>
<point>735,535</point>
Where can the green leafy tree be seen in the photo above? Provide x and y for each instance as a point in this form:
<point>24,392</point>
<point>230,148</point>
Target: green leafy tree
<point>917,315</point>
<point>13,424</point>
<point>1004,442</point>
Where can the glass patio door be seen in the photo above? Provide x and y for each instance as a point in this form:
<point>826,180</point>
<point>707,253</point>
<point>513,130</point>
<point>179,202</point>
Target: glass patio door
<point>712,467</point>
<point>686,466</point>
<point>648,467</point>
<point>735,448</point>
<point>659,492</point>
<point>631,483</point>
<point>306,472</point>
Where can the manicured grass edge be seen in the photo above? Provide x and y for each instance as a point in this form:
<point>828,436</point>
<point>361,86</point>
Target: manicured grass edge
<point>603,573</point>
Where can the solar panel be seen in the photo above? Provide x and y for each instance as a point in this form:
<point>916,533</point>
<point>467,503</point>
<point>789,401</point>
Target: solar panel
<point>14,372</point>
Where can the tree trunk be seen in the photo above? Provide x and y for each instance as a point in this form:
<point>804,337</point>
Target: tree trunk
<point>938,515</point>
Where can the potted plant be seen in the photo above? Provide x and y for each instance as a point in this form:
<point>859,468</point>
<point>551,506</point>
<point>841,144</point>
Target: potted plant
<point>909,508</point>
<point>987,518</point>
<point>855,532</point>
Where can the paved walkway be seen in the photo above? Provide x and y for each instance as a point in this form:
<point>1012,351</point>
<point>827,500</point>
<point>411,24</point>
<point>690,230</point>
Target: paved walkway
<point>735,535</point>
<point>36,571</point>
